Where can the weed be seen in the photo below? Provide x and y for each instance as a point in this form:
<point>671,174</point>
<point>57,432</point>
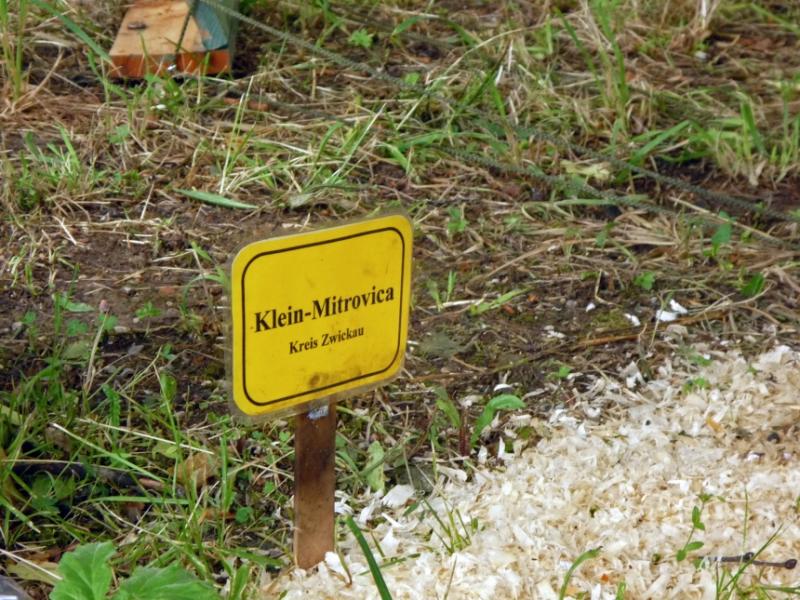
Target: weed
<point>383,590</point>
<point>147,311</point>
<point>753,286</point>
<point>498,403</point>
<point>722,236</point>
<point>616,92</point>
<point>373,471</point>
<point>645,280</point>
<point>696,383</point>
<point>698,359</point>
<point>453,532</point>
<point>216,199</point>
<point>456,223</point>
<point>85,574</point>
<point>361,38</point>
<point>445,404</point>
<point>588,555</point>
<point>444,296</point>
<point>740,147</point>
<point>692,545</point>
<point>561,373</point>
<point>483,306</point>
<point>13,28</point>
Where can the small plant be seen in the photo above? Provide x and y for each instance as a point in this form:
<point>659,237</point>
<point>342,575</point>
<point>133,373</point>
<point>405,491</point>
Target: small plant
<point>361,38</point>
<point>561,373</point>
<point>454,533</point>
<point>696,383</point>
<point>373,471</point>
<point>645,280</point>
<point>440,297</point>
<point>722,236</point>
<point>47,492</point>
<point>482,307</point>
<point>147,311</point>
<point>12,42</point>
<point>754,285</point>
<point>501,402</point>
<point>383,590</point>
<point>445,404</point>
<point>588,555</point>
<point>86,575</point>
<point>698,359</point>
<point>456,222</point>
<point>692,544</point>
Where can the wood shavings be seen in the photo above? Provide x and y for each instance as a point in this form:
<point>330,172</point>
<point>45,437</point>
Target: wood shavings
<point>627,484</point>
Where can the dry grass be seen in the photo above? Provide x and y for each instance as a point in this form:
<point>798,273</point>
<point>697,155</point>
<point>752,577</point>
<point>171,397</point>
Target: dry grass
<point>94,224</point>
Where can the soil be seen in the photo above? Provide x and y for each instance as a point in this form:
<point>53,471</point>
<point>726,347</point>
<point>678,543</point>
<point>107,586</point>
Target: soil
<point>576,313</point>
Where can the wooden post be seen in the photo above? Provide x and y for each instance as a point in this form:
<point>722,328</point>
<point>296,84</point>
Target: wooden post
<point>166,37</point>
<point>314,485</point>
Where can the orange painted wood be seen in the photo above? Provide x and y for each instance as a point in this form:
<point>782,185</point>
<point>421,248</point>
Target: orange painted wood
<point>148,38</point>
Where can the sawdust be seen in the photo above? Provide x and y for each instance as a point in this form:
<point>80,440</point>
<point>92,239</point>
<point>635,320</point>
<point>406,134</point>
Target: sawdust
<point>626,485</point>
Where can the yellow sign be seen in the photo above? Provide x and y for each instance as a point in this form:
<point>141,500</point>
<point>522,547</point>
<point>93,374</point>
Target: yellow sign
<point>319,313</point>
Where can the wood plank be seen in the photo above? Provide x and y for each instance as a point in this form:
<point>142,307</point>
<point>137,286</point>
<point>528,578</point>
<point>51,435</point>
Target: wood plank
<point>314,486</point>
<point>147,42</point>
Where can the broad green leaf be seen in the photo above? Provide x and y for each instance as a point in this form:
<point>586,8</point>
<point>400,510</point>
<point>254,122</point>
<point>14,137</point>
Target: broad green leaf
<point>697,523</point>
<point>85,573</point>
<point>168,449</point>
<point>481,423</point>
<point>170,583</point>
<point>501,402</point>
<point>722,235</point>
<point>373,472</point>
<point>505,402</point>
<point>211,198</point>
<point>692,546</point>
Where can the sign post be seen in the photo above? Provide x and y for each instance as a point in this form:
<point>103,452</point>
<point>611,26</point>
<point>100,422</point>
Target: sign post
<point>315,316</point>
<point>314,485</point>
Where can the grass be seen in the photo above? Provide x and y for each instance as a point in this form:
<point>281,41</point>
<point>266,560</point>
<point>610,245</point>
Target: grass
<point>122,203</point>
<point>13,26</point>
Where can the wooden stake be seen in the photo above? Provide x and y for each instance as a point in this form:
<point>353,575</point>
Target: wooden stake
<point>314,485</point>
<point>151,29</point>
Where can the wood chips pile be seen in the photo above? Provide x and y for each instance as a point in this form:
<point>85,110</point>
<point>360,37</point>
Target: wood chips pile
<point>621,470</point>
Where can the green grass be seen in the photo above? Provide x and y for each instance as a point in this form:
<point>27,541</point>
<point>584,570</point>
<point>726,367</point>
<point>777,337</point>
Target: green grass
<point>13,26</point>
<point>500,133</point>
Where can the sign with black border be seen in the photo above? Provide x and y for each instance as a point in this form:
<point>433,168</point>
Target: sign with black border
<point>319,314</point>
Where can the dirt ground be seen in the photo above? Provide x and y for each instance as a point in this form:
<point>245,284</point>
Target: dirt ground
<point>111,276</point>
